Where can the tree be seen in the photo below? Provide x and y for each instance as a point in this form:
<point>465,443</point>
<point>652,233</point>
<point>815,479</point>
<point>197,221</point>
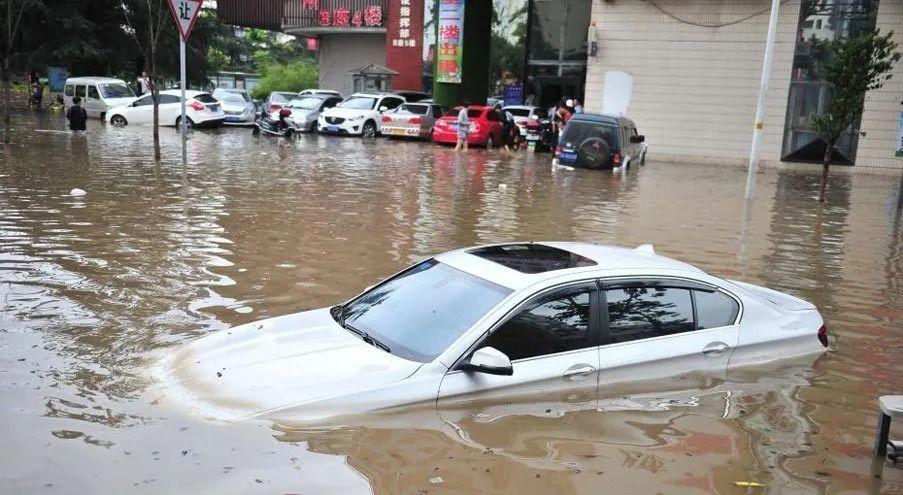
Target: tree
<point>854,66</point>
<point>145,23</point>
<point>12,13</point>
<point>292,77</point>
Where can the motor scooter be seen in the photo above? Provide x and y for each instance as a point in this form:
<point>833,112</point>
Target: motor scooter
<point>540,134</point>
<point>274,124</point>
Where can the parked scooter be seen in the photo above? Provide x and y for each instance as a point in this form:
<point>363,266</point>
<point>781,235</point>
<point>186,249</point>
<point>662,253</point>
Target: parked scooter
<point>540,134</point>
<point>274,124</point>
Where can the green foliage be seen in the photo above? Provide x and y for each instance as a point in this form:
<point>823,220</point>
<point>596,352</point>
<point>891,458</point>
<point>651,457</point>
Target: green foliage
<point>296,76</point>
<point>854,66</point>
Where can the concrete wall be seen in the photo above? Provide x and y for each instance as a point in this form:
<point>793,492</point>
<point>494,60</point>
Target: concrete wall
<point>695,88</point>
<point>882,107</point>
<point>339,54</point>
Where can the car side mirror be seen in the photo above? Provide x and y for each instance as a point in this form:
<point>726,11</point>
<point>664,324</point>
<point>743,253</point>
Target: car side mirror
<point>383,108</point>
<point>637,139</point>
<point>490,361</point>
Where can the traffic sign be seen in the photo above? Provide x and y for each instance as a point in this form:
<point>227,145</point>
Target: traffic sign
<point>185,12</point>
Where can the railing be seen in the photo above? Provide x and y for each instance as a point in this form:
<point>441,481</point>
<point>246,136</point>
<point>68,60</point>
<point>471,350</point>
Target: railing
<point>265,14</point>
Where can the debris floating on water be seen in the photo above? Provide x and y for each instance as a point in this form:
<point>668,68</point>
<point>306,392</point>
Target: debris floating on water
<point>748,483</point>
<point>77,192</point>
<point>436,481</point>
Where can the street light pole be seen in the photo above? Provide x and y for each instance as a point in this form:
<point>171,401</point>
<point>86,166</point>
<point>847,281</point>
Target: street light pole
<point>183,124</point>
<point>759,128</point>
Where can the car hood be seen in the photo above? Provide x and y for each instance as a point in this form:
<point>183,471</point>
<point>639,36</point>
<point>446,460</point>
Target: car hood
<point>345,113</point>
<point>118,102</point>
<point>276,363</point>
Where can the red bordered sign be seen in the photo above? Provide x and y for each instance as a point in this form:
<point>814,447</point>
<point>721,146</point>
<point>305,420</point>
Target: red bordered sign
<point>185,12</point>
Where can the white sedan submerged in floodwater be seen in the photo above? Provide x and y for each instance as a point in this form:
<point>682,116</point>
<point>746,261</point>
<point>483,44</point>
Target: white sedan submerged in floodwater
<point>489,321</point>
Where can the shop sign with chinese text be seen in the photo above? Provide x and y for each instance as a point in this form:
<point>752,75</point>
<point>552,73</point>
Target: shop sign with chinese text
<point>450,41</point>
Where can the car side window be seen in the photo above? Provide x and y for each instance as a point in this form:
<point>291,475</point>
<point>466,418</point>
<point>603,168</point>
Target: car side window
<point>556,323</point>
<point>164,99</point>
<point>82,91</point>
<point>92,93</point>
<point>636,313</point>
<point>331,102</point>
<point>70,90</point>
<point>391,103</point>
<point>714,309</point>
<point>145,101</point>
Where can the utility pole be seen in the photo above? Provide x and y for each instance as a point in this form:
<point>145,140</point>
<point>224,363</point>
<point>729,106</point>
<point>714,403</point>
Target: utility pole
<point>759,128</point>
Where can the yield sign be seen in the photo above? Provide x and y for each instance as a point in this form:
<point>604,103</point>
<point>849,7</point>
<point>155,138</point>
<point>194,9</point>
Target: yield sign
<point>185,13</point>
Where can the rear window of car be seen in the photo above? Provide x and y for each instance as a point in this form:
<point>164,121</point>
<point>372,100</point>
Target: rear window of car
<point>472,113</point>
<point>205,98</point>
<point>518,112</point>
<point>415,109</point>
<point>577,132</point>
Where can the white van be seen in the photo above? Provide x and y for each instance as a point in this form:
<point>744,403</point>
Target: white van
<point>98,94</point>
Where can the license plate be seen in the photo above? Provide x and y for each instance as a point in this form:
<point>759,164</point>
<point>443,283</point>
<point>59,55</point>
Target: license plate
<point>532,138</point>
<point>232,119</point>
<point>567,156</point>
<point>332,128</point>
<point>397,132</point>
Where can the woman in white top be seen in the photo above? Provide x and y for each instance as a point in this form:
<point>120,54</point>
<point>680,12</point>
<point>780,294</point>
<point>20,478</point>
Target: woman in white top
<point>463,127</point>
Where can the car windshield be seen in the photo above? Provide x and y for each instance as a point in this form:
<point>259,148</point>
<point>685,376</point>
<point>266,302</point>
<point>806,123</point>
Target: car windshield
<point>233,97</point>
<point>359,103</point>
<point>306,103</point>
<point>421,311</point>
<point>518,112</point>
<point>280,97</point>
<point>577,132</point>
<point>415,109</point>
<point>116,90</point>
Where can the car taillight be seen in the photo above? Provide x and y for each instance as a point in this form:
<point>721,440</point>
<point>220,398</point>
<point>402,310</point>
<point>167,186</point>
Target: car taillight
<point>196,105</point>
<point>415,120</point>
<point>386,118</point>
<point>440,123</point>
<point>557,150</point>
<point>617,159</point>
<point>274,107</point>
<point>823,335</point>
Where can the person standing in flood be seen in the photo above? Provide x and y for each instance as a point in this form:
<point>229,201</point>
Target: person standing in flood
<point>144,83</point>
<point>463,127</point>
<point>77,116</point>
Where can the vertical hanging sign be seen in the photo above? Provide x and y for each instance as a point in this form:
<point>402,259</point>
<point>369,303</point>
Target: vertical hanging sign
<point>450,42</point>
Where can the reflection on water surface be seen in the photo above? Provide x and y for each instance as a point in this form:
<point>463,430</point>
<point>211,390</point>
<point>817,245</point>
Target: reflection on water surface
<point>93,290</point>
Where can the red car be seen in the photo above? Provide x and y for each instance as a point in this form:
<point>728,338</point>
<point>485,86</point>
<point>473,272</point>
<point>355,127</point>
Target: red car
<point>485,127</point>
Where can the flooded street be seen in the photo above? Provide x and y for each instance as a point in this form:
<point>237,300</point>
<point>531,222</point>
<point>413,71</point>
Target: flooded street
<point>94,290</point>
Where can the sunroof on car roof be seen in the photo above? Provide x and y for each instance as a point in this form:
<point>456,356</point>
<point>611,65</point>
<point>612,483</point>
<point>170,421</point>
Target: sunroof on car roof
<point>532,258</point>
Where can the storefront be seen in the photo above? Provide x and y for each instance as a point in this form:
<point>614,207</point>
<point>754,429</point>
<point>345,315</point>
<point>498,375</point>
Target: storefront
<point>688,71</point>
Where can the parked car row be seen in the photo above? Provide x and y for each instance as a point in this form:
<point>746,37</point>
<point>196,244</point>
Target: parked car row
<point>588,140</point>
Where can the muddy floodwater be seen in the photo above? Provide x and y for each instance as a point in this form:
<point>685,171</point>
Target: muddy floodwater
<point>95,289</point>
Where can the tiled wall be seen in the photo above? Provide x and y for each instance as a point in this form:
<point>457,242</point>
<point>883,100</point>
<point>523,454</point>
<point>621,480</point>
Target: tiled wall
<point>695,87</point>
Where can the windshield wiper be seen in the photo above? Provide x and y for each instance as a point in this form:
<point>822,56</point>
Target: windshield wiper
<point>366,337</point>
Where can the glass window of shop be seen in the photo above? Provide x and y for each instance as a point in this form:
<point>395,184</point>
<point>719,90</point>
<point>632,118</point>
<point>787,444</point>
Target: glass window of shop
<point>556,50</point>
<point>820,22</point>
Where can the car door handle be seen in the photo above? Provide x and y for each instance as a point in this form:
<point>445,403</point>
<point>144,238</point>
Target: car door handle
<point>715,349</point>
<point>578,372</point>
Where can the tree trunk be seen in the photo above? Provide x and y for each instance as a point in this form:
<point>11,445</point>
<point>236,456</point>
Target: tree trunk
<point>4,75</point>
<point>829,150</point>
<point>155,91</point>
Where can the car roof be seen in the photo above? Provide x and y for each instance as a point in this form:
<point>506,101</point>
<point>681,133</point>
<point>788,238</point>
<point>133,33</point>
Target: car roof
<point>600,118</point>
<point>601,258</point>
<point>521,107</point>
<point>92,80</point>
<point>231,90</point>
<point>189,93</point>
<point>377,95</point>
<point>319,96</point>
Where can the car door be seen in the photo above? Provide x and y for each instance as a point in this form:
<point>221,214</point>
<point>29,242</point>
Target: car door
<point>141,111</point>
<point>552,340</point>
<point>171,109</point>
<point>658,328</point>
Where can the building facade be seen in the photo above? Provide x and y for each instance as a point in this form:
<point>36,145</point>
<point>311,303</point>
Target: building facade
<point>688,73</point>
<point>349,34</point>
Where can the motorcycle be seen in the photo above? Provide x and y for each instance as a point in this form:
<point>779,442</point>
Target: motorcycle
<point>274,124</point>
<point>540,134</point>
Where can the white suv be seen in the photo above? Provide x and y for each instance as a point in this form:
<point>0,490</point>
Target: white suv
<point>360,114</point>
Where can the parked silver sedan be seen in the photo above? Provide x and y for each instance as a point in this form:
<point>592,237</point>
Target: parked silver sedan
<point>306,110</point>
<point>237,105</point>
<point>413,120</point>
